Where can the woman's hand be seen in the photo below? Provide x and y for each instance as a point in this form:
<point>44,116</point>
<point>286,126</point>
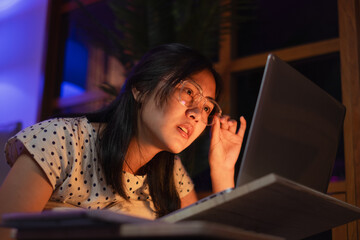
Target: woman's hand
<point>225,146</point>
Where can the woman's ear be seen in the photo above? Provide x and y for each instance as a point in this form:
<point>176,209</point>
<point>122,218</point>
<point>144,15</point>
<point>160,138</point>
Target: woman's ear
<point>135,93</point>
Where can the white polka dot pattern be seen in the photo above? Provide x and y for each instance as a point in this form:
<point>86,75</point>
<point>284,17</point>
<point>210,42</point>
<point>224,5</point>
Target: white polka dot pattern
<point>66,151</point>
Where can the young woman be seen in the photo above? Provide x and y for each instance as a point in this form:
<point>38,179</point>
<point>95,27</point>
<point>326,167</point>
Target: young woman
<point>123,157</point>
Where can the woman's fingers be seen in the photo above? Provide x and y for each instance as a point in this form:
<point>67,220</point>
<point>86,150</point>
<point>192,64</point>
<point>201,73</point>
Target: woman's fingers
<point>215,129</point>
<point>224,123</point>
<point>232,125</point>
<point>224,120</point>
<point>242,127</point>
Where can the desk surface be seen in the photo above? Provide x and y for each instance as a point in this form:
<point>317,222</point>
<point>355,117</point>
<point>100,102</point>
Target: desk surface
<point>155,230</point>
<point>270,205</point>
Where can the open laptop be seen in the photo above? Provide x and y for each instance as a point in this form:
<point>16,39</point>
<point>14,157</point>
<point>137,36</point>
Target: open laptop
<point>295,129</point>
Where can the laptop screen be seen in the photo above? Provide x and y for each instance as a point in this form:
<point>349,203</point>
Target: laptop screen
<point>295,129</point>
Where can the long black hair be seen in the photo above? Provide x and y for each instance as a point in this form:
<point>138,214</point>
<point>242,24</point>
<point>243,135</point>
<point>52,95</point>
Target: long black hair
<point>169,63</point>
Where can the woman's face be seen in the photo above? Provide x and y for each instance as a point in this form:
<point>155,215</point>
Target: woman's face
<point>173,127</point>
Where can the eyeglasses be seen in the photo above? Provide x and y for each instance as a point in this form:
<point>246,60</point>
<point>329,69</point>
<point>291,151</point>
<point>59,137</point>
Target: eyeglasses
<point>191,95</point>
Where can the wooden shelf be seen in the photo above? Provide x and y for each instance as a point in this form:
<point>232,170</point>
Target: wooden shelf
<point>287,54</point>
<point>337,187</point>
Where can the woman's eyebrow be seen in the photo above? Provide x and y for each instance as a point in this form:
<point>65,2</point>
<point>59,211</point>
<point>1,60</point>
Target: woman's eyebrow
<point>211,98</point>
<point>202,90</point>
<point>190,78</point>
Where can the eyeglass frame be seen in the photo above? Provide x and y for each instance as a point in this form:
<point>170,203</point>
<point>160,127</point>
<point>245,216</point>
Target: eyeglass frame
<point>198,87</point>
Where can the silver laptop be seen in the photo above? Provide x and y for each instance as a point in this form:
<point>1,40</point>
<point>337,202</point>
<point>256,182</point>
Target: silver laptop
<point>295,130</point>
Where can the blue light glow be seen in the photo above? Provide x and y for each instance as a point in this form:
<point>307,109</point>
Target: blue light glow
<point>75,68</point>
<point>69,89</point>
<point>7,4</point>
<point>22,43</point>
<point>11,96</point>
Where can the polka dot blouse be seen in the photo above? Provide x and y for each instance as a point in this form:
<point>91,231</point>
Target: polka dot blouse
<point>65,149</point>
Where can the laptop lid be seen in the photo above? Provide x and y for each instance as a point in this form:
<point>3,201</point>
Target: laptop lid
<point>295,129</point>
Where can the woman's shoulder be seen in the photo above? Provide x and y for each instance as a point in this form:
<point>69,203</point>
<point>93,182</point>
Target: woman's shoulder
<point>56,145</point>
<point>57,124</point>
<point>57,134</point>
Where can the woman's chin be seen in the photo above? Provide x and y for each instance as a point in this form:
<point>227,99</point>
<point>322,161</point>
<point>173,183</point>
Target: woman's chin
<point>176,148</point>
<point>175,151</point>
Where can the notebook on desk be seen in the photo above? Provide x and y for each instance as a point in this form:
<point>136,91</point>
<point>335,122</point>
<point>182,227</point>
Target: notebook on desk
<point>289,155</point>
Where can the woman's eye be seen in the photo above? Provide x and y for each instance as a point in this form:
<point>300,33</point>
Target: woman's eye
<point>207,109</point>
<point>189,92</point>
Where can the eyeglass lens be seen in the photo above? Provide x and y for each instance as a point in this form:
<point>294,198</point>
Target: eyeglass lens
<point>190,96</point>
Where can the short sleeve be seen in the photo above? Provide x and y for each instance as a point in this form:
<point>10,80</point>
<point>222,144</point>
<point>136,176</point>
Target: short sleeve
<point>50,143</point>
<point>183,182</point>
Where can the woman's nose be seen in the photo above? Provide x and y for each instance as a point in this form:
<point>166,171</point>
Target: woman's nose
<point>194,113</point>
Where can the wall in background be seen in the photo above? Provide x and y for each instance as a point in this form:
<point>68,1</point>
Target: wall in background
<point>22,51</point>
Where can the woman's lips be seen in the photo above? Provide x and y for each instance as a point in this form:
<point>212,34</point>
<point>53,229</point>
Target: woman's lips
<point>185,130</point>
